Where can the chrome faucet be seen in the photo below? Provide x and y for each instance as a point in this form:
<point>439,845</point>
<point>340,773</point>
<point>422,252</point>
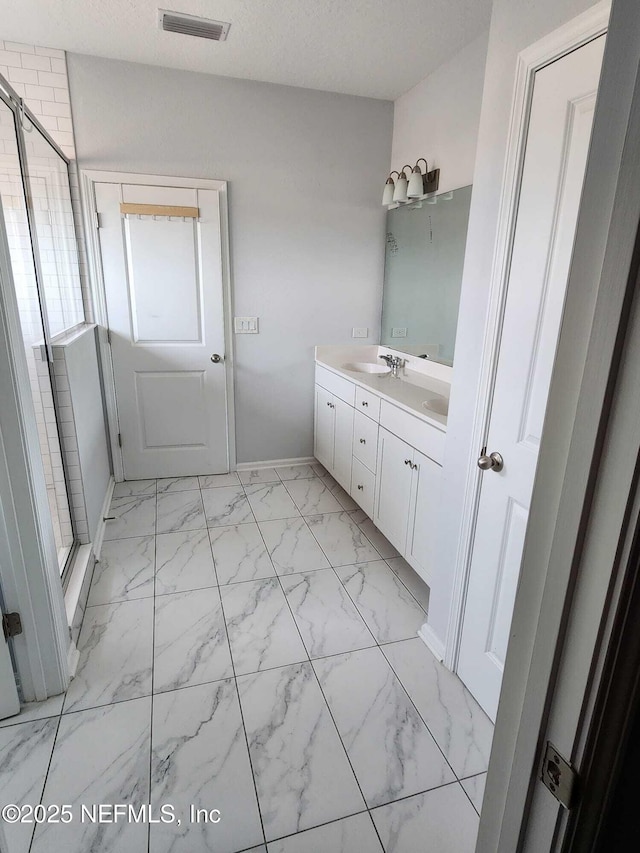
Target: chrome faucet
<point>394,362</point>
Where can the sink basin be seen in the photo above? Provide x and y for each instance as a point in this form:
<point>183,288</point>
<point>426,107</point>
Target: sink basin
<point>437,403</point>
<point>366,367</point>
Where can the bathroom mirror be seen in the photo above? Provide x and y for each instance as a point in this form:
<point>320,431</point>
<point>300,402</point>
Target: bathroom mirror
<point>424,257</point>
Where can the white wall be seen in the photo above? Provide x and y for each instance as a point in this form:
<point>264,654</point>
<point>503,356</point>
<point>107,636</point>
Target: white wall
<point>305,172</point>
<point>438,118</point>
<point>515,25</point>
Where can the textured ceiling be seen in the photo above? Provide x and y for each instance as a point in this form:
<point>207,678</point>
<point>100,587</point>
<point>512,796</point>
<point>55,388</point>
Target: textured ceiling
<point>377,48</point>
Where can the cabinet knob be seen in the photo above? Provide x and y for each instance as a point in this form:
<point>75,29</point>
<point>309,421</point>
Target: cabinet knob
<point>363,441</point>
<point>331,406</point>
<point>365,404</point>
<point>407,462</point>
<point>361,488</point>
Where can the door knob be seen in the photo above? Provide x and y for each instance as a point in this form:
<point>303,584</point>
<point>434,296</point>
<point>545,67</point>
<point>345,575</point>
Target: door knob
<point>493,462</point>
<point>215,358</point>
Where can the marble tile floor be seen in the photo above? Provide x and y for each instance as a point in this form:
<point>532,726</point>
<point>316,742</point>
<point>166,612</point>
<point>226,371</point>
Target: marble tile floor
<point>249,645</point>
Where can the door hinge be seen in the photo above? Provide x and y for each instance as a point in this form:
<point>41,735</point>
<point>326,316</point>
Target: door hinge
<point>96,219</point>
<point>11,625</point>
<point>119,440</point>
<point>559,777</point>
<point>109,336</point>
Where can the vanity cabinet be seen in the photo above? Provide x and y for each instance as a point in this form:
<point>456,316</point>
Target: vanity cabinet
<point>406,502</point>
<point>334,435</point>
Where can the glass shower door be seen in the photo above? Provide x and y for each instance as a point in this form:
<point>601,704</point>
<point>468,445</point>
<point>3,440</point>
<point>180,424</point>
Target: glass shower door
<point>26,211</point>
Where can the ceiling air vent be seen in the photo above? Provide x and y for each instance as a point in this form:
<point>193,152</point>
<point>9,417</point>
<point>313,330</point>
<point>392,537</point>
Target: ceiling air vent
<point>190,25</point>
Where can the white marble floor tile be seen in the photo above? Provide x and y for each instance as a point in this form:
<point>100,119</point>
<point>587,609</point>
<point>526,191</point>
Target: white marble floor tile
<point>190,642</point>
<point>271,501</point>
<point>31,711</point>
<point>178,511</point>
<point>350,835</point>
<point>460,727</point>
<point>101,756</point>
<point>341,539</point>
<point>258,475</point>
<point>214,481</point>
<point>295,472</point>
<point>474,786</point>
<point>379,542</point>
<point>131,516</point>
<point>389,610</point>
<point>184,561</point>
<point>390,748</point>
<point>326,617</point>
<point>412,580</point>
<point>116,648</point>
<point>301,770</point>
<point>262,632</point>
<point>25,751</point>
<point>225,506</point>
<point>312,496</point>
<point>177,484</point>
<point>125,570</point>
<point>292,546</point>
<point>134,487</point>
<point>443,819</point>
<point>240,553</point>
<point>200,757</point>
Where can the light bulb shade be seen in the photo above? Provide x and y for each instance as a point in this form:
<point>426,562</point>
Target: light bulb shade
<point>415,188</point>
<point>387,195</point>
<point>400,191</point>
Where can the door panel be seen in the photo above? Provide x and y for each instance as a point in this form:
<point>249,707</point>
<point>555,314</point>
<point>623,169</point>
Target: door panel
<point>557,145</point>
<point>422,524</point>
<point>324,428</point>
<point>343,443</point>
<point>393,489</point>
<point>163,283</point>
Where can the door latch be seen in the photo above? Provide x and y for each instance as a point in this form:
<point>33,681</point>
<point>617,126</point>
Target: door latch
<point>559,776</point>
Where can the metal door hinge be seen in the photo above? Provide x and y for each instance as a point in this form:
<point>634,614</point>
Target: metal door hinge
<point>11,625</point>
<point>119,440</point>
<point>559,777</point>
<point>109,336</point>
<point>96,218</point>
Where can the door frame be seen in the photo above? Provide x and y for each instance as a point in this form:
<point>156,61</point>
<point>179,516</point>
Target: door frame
<point>88,179</point>
<point>571,36</point>
<point>29,572</point>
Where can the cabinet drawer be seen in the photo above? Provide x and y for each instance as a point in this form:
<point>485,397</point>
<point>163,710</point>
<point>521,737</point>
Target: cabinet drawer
<point>363,484</point>
<point>342,388</point>
<point>424,437</point>
<point>367,403</point>
<point>365,440</point>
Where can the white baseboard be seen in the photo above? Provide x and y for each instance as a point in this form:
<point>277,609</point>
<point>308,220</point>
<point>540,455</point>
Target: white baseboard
<point>432,642</point>
<point>73,656</point>
<point>275,463</point>
<point>97,541</point>
<point>74,587</point>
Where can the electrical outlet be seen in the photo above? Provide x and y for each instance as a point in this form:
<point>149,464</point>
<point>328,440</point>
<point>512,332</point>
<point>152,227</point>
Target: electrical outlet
<point>398,333</point>
<point>359,333</point>
<point>245,325</point>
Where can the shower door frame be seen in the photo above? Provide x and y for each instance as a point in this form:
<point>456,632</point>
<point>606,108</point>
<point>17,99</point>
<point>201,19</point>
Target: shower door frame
<point>20,110</point>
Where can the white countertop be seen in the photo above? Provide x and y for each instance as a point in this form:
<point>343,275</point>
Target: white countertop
<point>408,390</point>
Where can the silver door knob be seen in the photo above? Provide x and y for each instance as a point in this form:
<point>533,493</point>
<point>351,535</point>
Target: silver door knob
<point>493,462</point>
<point>215,358</point>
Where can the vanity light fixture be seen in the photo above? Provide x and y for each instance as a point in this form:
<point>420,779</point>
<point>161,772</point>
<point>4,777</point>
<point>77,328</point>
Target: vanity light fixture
<point>418,185</point>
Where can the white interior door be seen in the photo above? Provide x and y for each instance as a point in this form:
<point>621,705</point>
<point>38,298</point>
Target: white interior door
<point>556,151</point>
<point>9,699</point>
<point>164,293</point>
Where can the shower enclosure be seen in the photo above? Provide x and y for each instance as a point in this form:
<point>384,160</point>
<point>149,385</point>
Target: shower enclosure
<point>35,202</point>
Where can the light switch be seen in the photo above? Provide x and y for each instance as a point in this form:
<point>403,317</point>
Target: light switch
<point>245,325</point>
<point>399,333</point>
<point>359,333</point>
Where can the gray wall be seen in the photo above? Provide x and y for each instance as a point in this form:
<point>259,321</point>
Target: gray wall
<point>305,171</point>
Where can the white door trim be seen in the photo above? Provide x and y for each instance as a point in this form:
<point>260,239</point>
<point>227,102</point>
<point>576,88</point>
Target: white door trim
<point>88,179</point>
<point>29,571</point>
<point>571,36</point>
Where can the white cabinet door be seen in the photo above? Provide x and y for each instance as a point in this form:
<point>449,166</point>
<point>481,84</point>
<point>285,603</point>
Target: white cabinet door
<point>163,284</point>
<point>424,507</point>
<point>343,443</point>
<point>393,492</point>
<point>324,428</point>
